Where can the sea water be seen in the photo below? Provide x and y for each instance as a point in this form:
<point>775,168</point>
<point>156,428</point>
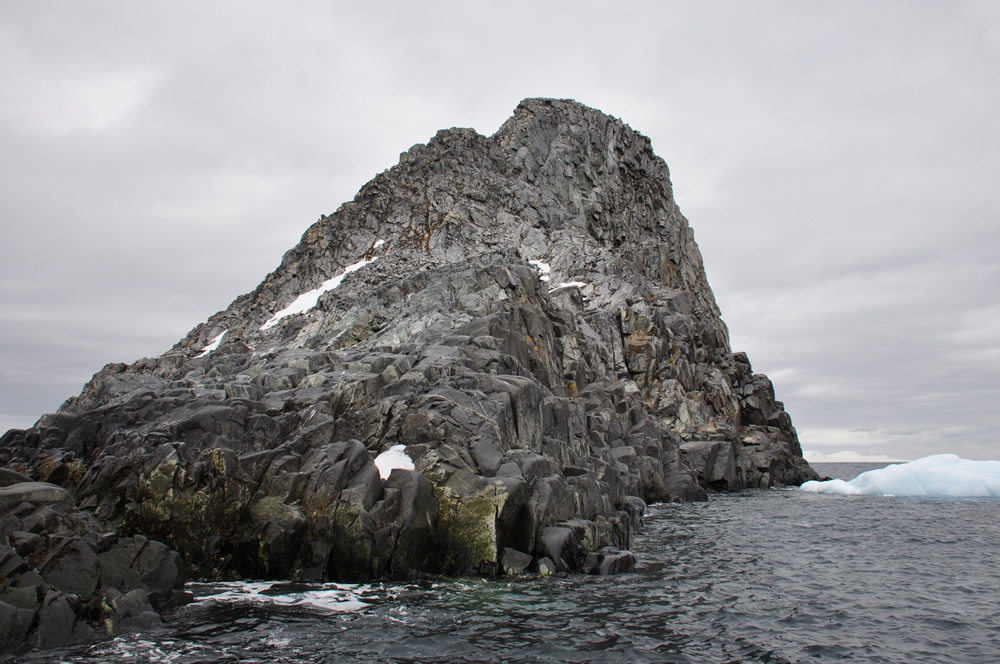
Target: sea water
<point>761,576</point>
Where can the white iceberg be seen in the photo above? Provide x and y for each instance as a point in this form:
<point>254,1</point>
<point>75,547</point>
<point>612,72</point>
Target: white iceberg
<point>308,300</point>
<point>944,475</point>
<point>394,457</point>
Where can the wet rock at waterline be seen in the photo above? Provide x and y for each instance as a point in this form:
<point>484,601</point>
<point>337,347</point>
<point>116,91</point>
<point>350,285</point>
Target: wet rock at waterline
<point>65,579</point>
<point>523,320</point>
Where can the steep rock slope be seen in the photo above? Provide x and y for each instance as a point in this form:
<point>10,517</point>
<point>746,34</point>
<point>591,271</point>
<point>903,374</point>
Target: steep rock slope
<point>527,314</point>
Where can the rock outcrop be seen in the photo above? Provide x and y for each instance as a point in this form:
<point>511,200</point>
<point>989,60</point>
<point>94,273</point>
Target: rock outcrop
<point>65,580</point>
<point>527,314</point>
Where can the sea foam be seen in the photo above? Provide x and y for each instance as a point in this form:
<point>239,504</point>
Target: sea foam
<point>330,596</point>
<point>944,475</point>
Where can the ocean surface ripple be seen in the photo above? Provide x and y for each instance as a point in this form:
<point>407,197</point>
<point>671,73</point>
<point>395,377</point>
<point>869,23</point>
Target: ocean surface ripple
<point>764,576</point>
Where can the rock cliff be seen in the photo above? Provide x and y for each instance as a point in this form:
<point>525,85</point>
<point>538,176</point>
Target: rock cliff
<point>527,314</point>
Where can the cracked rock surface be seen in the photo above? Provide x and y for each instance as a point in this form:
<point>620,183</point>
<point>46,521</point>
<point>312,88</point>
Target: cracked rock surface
<point>526,313</point>
<point>64,579</point>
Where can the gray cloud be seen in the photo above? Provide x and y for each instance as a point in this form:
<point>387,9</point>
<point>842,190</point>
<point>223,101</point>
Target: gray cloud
<point>837,161</point>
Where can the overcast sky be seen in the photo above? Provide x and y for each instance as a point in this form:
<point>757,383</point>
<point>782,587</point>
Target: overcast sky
<point>839,162</point>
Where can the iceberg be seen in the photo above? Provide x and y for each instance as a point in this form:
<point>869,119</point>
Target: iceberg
<point>944,475</point>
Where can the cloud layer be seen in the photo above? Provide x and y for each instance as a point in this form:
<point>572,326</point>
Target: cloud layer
<point>837,162</point>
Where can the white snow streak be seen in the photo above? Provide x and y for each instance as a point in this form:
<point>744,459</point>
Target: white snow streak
<point>568,284</point>
<point>308,300</point>
<point>212,345</point>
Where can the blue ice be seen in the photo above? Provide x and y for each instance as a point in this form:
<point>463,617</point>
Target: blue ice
<point>939,475</point>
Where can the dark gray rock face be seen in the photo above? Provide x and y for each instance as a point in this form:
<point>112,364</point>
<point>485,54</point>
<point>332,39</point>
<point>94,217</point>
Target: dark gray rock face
<point>526,313</point>
<point>62,575</point>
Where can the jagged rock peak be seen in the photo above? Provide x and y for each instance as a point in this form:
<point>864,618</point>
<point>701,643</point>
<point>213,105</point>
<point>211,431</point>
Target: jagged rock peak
<point>559,182</point>
<point>487,362</point>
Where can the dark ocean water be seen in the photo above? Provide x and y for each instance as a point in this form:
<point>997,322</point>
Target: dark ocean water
<point>764,576</point>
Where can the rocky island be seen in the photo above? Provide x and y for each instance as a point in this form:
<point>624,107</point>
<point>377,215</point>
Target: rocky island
<point>487,363</point>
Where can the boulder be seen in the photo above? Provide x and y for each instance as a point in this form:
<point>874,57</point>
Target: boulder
<point>15,625</point>
<point>609,561</point>
<point>72,567</point>
<point>714,461</point>
<point>38,493</point>
<point>683,488</point>
<point>60,623</point>
<point>60,582</point>
<point>515,562</point>
<point>9,477</point>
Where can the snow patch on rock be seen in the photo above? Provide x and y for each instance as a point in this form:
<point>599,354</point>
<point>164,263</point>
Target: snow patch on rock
<point>309,299</point>
<point>543,269</point>
<point>392,458</point>
<point>568,284</point>
<point>212,345</point>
